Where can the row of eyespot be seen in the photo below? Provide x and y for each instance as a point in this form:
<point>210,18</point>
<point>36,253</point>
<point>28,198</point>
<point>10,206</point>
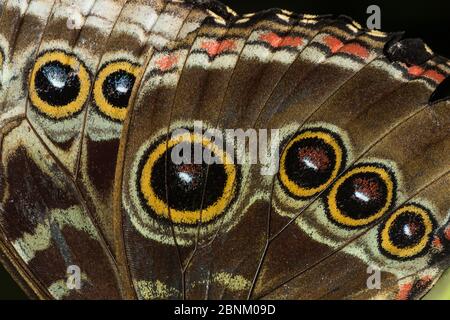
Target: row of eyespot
<point>60,86</point>
<point>359,197</point>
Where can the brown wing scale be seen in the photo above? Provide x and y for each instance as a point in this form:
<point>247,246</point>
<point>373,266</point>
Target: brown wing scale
<point>92,93</point>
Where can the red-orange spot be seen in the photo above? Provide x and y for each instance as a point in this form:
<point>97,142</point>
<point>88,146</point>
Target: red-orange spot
<point>277,42</point>
<point>166,62</point>
<point>214,48</point>
<point>356,50</point>
<point>426,279</point>
<point>317,156</point>
<point>404,291</point>
<point>333,43</point>
<point>368,187</point>
<point>415,71</point>
<point>437,243</point>
<point>434,75</point>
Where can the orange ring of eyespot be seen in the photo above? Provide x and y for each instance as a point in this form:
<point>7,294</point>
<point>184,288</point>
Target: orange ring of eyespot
<point>345,220</point>
<point>60,112</point>
<point>407,252</point>
<point>293,187</point>
<point>187,217</point>
<point>101,102</point>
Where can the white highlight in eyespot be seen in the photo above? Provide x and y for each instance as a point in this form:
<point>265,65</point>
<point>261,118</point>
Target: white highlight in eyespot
<point>362,196</point>
<point>56,78</point>
<point>407,230</point>
<point>310,164</point>
<point>186,177</point>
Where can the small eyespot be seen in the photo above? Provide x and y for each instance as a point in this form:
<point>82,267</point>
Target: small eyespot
<point>190,199</point>
<point>310,162</point>
<point>407,233</point>
<point>113,87</point>
<point>59,85</point>
<point>361,196</point>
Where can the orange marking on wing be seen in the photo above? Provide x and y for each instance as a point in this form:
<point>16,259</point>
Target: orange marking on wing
<point>403,293</point>
<point>166,62</point>
<point>356,50</point>
<point>277,42</point>
<point>415,71</point>
<point>434,75</point>
<point>214,48</point>
<point>333,43</point>
<point>426,279</point>
<point>437,243</point>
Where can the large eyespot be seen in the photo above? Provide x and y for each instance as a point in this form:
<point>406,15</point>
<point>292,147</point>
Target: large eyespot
<point>186,181</point>
<point>361,196</point>
<point>310,162</point>
<point>407,232</point>
<point>59,85</point>
<point>113,87</point>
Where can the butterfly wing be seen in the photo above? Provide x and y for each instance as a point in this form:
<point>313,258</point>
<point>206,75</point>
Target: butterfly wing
<point>342,97</point>
<point>359,185</point>
<point>51,54</point>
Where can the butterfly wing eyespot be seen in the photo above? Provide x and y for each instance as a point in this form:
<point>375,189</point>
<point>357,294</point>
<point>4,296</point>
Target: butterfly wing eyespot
<point>310,162</point>
<point>113,87</point>
<point>186,182</point>
<point>59,85</point>
<point>361,196</point>
<point>407,233</point>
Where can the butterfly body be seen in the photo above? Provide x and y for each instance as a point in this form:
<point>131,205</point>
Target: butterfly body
<point>99,95</point>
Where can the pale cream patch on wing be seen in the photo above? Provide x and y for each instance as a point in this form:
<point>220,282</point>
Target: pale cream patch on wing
<point>31,243</point>
<point>232,282</point>
<point>59,289</point>
<point>19,4</point>
<point>153,290</point>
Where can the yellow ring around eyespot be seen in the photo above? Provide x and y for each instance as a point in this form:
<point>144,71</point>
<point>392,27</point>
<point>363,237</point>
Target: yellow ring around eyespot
<point>187,217</point>
<point>407,252</point>
<point>294,188</point>
<point>100,100</point>
<point>339,217</point>
<point>59,112</point>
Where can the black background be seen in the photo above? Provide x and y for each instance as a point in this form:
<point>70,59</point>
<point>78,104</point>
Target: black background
<point>426,19</point>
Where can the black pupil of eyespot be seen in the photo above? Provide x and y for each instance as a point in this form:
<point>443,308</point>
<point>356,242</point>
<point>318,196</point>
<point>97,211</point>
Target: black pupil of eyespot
<point>361,195</point>
<point>407,230</point>
<point>57,84</point>
<point>117,88</point>
<point>186,182</point>
<point>310,162</point>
